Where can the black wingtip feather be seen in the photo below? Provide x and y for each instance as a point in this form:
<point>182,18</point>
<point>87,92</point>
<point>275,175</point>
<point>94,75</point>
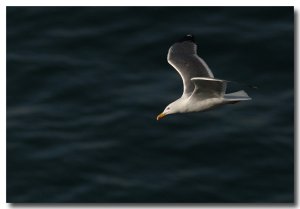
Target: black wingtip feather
<point>188,37</point>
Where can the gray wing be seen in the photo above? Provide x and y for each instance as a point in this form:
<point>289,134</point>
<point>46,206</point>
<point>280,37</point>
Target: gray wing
<point>209,87</point>
<point>183,57</point>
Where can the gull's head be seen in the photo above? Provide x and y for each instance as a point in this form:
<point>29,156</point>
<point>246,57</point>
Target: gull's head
<point>172,108</point>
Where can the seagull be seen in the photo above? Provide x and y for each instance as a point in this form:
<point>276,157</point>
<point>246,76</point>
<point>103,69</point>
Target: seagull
<point>201,91</point>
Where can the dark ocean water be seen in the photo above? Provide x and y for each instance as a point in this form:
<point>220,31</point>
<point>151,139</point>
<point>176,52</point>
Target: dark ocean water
<point>84,86</point>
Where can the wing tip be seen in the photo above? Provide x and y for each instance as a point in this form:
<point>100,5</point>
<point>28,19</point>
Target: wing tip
<point>188,37</point>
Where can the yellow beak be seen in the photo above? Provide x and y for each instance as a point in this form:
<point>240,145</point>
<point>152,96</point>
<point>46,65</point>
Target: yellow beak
<point>161,115</point>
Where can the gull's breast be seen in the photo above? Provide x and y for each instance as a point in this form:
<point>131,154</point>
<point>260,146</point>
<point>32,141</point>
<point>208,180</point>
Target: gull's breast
<point>202,105</point>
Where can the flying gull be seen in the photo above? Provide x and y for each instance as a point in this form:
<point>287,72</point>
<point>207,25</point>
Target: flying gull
<point>201,91</point>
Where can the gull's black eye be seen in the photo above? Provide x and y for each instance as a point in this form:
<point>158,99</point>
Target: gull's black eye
<point>168,108</point>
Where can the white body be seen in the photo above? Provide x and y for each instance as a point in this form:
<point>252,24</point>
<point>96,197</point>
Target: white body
<point>206,104</point>
<point>194,104</point>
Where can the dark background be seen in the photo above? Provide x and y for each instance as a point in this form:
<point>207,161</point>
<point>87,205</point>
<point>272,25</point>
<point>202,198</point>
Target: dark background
<point>84,86</point>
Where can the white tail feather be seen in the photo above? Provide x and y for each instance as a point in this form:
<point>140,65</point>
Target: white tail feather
<point>237,96</point>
